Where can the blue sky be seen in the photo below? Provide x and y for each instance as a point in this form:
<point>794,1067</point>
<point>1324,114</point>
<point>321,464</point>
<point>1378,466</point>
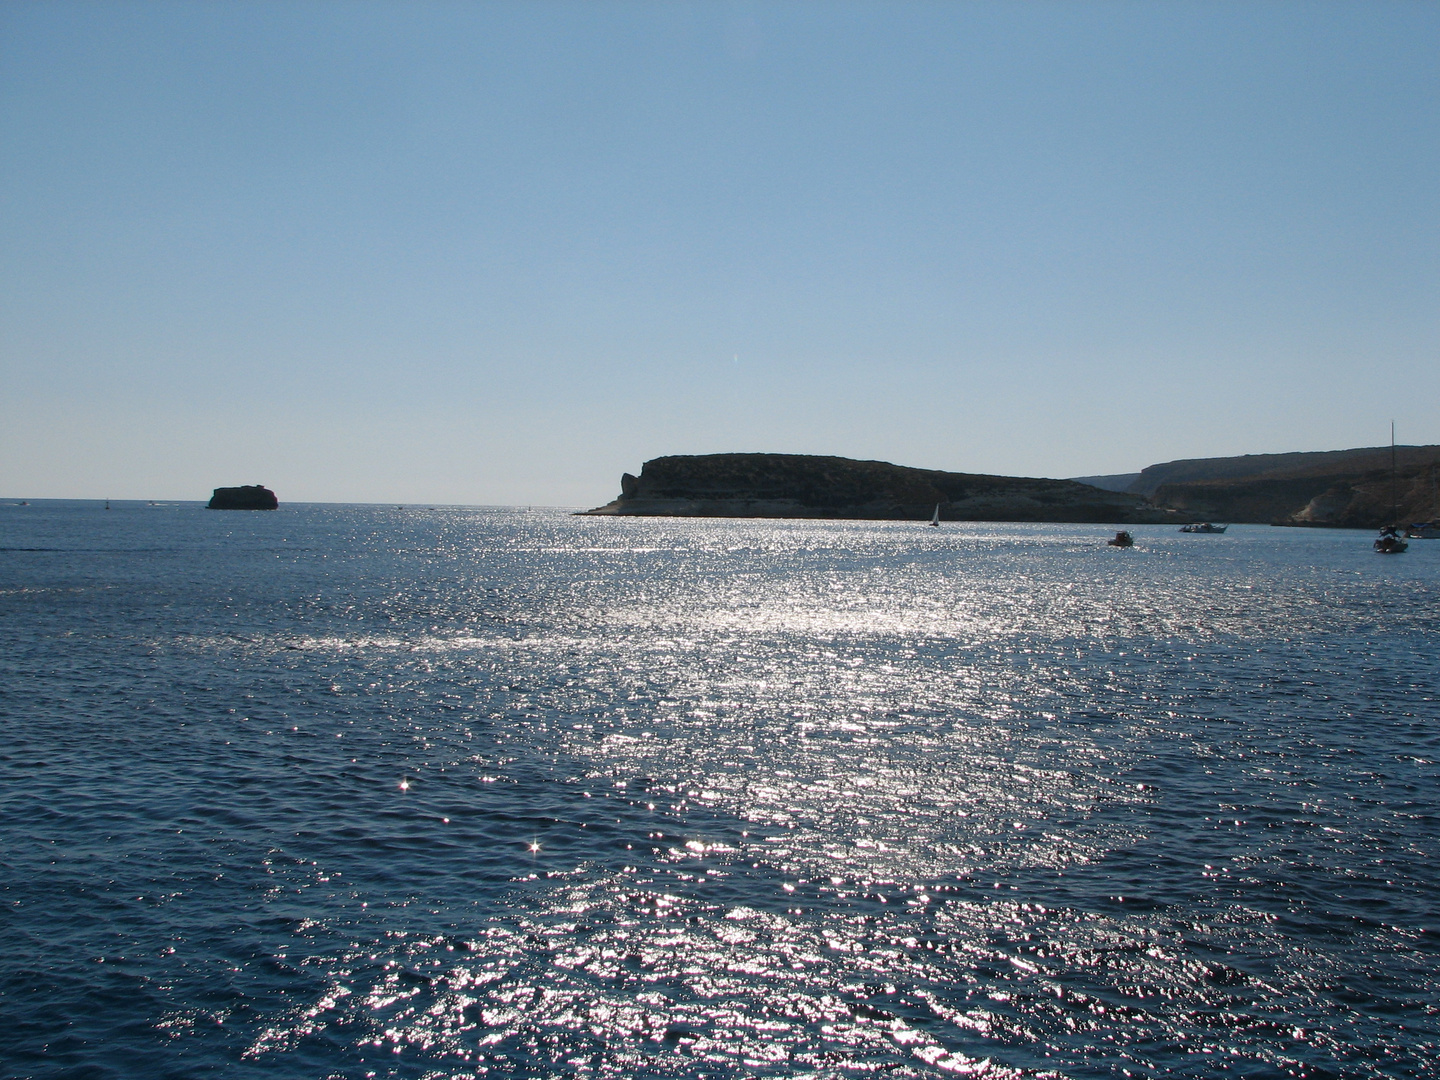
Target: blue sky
<point>501,252</point>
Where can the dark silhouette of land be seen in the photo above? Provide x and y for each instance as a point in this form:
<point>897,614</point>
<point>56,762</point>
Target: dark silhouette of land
<point>1339,488</point>
<point>245,497</point>
<point>805,486</point>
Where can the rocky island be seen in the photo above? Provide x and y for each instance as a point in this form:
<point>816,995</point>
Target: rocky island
<point>805,486</point>
<point>245,497</point>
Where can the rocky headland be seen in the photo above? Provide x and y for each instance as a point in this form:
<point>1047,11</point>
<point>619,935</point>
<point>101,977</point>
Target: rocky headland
<point>805,486</point>
<point>1335,488</point>
<point>245,497</point>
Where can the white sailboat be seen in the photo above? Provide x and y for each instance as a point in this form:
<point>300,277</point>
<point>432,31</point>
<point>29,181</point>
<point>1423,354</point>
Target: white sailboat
<point>935,517</point>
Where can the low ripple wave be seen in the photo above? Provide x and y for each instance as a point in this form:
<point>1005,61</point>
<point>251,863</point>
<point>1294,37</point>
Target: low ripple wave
<point>352,792</point>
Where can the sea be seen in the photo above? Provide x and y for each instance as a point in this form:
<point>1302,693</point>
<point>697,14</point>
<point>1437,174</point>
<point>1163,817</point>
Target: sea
<point>371,791</point>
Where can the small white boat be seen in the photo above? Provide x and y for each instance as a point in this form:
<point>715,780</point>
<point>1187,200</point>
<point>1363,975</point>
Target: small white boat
<point>1203,527</point>
<point>935,517</point>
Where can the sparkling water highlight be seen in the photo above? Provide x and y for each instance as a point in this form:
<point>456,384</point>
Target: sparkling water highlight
<point>342,791</point>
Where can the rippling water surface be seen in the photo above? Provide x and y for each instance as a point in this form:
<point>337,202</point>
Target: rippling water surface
<point>358,791</point>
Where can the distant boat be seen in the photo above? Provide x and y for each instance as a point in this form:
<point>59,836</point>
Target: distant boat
<point>935,517</point>
<point>1122,539</point>
<point>1424,530</point>
<point>1389,542</point>
<point>1203,527</point>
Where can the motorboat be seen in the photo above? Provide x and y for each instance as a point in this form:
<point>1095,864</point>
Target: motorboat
<point>1389,541</point>
<point>1424,530</point>
<point>1122,539</point>
<point>1203,527</point>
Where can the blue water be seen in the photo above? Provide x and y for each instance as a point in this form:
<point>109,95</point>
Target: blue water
<point>357,791</point>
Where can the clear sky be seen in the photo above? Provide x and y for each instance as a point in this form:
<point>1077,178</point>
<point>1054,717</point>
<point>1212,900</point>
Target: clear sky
<point>502,252</point>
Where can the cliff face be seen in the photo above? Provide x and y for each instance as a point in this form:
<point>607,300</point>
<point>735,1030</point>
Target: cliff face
<point>1357,501</point>
<point>245,497</point>
<point>1346,488</point>
<point>802,486</point>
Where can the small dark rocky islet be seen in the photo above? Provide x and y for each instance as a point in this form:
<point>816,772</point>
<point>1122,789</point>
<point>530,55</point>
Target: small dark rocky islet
<point>245,497</point>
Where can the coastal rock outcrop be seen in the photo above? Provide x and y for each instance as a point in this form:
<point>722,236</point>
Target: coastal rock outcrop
<point>245,497</point>
<point>805,486</point>
<point>1342,488</point>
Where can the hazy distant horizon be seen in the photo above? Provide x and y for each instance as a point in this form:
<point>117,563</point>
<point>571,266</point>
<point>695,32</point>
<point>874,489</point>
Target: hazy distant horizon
<point>499,254</point>
<point>597,500</point>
